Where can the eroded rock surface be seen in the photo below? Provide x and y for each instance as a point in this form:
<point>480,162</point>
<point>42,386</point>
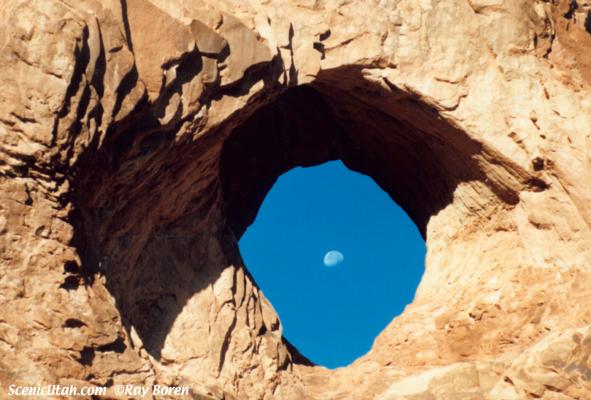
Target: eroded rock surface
<point>139,137</point>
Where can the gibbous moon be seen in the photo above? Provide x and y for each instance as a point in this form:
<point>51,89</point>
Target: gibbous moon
<point>333,258</point>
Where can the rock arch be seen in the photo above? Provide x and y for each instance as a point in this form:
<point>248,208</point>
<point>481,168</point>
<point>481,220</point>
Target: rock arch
<point>139,138</point>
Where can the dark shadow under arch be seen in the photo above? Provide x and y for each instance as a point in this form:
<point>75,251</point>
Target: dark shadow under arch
<point>305,127</point>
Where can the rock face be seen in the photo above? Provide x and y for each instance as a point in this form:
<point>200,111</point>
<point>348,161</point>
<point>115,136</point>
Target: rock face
<point>139,137</point>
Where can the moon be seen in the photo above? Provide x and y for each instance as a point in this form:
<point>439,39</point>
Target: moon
<point>333,258</point>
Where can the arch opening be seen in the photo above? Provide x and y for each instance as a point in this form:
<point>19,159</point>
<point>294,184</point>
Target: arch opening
<point>416,158</point>
<point>332,311</point>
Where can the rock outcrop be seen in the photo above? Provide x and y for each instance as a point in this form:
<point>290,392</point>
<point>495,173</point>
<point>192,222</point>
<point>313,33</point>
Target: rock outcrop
<point>139,137</point>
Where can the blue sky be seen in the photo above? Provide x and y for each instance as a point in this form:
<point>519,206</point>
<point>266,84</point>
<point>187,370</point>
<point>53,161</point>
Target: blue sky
<point>333,314</point>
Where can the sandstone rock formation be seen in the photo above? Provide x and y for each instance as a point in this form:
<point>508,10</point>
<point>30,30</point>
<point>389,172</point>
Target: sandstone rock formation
<point>139,137</point>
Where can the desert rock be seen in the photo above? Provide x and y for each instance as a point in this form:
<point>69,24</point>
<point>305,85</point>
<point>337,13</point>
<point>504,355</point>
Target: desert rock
<point>139,137</point>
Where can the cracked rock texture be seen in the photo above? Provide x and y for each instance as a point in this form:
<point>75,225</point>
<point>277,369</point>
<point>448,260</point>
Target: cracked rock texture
<point>139,137</point>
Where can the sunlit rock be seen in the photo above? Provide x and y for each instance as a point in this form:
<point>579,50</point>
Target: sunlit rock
<point>138,139</point>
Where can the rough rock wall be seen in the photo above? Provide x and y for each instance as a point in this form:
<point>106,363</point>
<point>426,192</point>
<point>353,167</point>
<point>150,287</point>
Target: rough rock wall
<point>138,138</point>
